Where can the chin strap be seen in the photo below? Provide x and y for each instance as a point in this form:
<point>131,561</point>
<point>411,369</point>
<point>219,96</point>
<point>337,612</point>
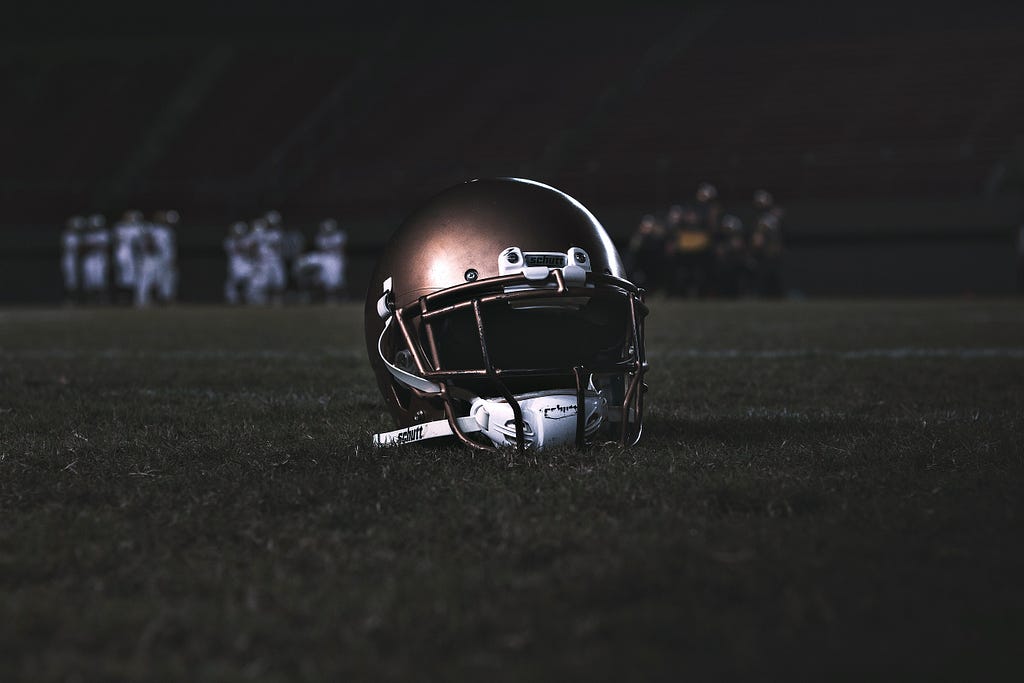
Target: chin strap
<point>422,432</point>
<point>549,417</point>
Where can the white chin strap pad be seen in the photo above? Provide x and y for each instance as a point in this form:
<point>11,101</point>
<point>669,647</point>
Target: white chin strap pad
<point>549,418</point>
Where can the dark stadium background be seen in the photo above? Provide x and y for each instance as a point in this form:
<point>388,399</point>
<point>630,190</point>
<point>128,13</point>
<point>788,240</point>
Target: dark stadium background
<point>829,488</point>
<point>890,133</point>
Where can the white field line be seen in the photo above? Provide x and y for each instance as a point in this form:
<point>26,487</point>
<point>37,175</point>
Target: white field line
<point>183,354</point>
<point>269,397</point>
<point>358,354</point>
<point>858,354</point>
<point>784,413</point>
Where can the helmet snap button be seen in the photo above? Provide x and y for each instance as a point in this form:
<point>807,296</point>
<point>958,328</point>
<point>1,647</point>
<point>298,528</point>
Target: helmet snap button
<point>512,257</point>
<point>403,359</point>
<point>471,275</point>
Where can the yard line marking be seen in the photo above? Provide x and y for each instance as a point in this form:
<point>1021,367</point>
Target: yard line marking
<point>892,354</point>
<point>937,353</point>
<point>183,354</point>
<point>358,354</point>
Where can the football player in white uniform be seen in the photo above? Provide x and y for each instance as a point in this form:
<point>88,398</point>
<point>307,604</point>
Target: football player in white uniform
<point>323,271</point>
<point>331,242</point>
<point>95,259</point>
<point>127,249</point>
<point>70,241</point>
<point>272,253</point>
<point>258,249</point>
<point>157,267</point>
<point>240,267</point>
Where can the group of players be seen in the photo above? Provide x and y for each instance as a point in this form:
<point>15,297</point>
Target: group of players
<point>135,261</point>
<point>143,252</point>
<point>695,251</point>
<point>699,251</point>
<point>265,261</point>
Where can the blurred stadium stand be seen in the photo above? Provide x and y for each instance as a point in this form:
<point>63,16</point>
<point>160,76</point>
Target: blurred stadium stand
<point>886,132</point>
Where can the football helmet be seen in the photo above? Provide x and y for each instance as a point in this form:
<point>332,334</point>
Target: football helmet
<point>763,200</point>
<point>500,314</point>
<point>706,192</point>
<point>768,222</point>
<point>675,215</point>
<point>731,224</point>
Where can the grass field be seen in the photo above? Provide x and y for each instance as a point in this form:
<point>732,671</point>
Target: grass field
<point>823,488</point>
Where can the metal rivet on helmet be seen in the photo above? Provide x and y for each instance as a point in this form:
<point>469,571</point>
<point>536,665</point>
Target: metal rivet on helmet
<point>403,359</point>
<point>471,275</point>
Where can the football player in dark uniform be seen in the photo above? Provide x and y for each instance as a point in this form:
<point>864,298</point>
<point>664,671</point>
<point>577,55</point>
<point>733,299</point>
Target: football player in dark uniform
<point>645,258</point>
<point>730,258</point>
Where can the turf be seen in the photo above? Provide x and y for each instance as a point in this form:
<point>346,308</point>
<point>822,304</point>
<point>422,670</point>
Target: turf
<point>823,489</point>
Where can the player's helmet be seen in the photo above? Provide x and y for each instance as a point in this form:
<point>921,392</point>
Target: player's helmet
<point>675,215</point>
<point>273,219</point>
<point>171,217</point>
<point>648,224</point>
<point>328,225</point>
<point>239,228</point>
<point>768,222</point>
<point>706,192</point>
<point>500,313</point>
<point>763,199</point>
<point>731,224</point>
<point>77,223</point>
<point>97,221</point>
<point>259,225</point>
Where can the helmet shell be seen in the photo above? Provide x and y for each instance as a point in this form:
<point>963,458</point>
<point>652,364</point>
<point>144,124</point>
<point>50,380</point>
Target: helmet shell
<point>466,227</point>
